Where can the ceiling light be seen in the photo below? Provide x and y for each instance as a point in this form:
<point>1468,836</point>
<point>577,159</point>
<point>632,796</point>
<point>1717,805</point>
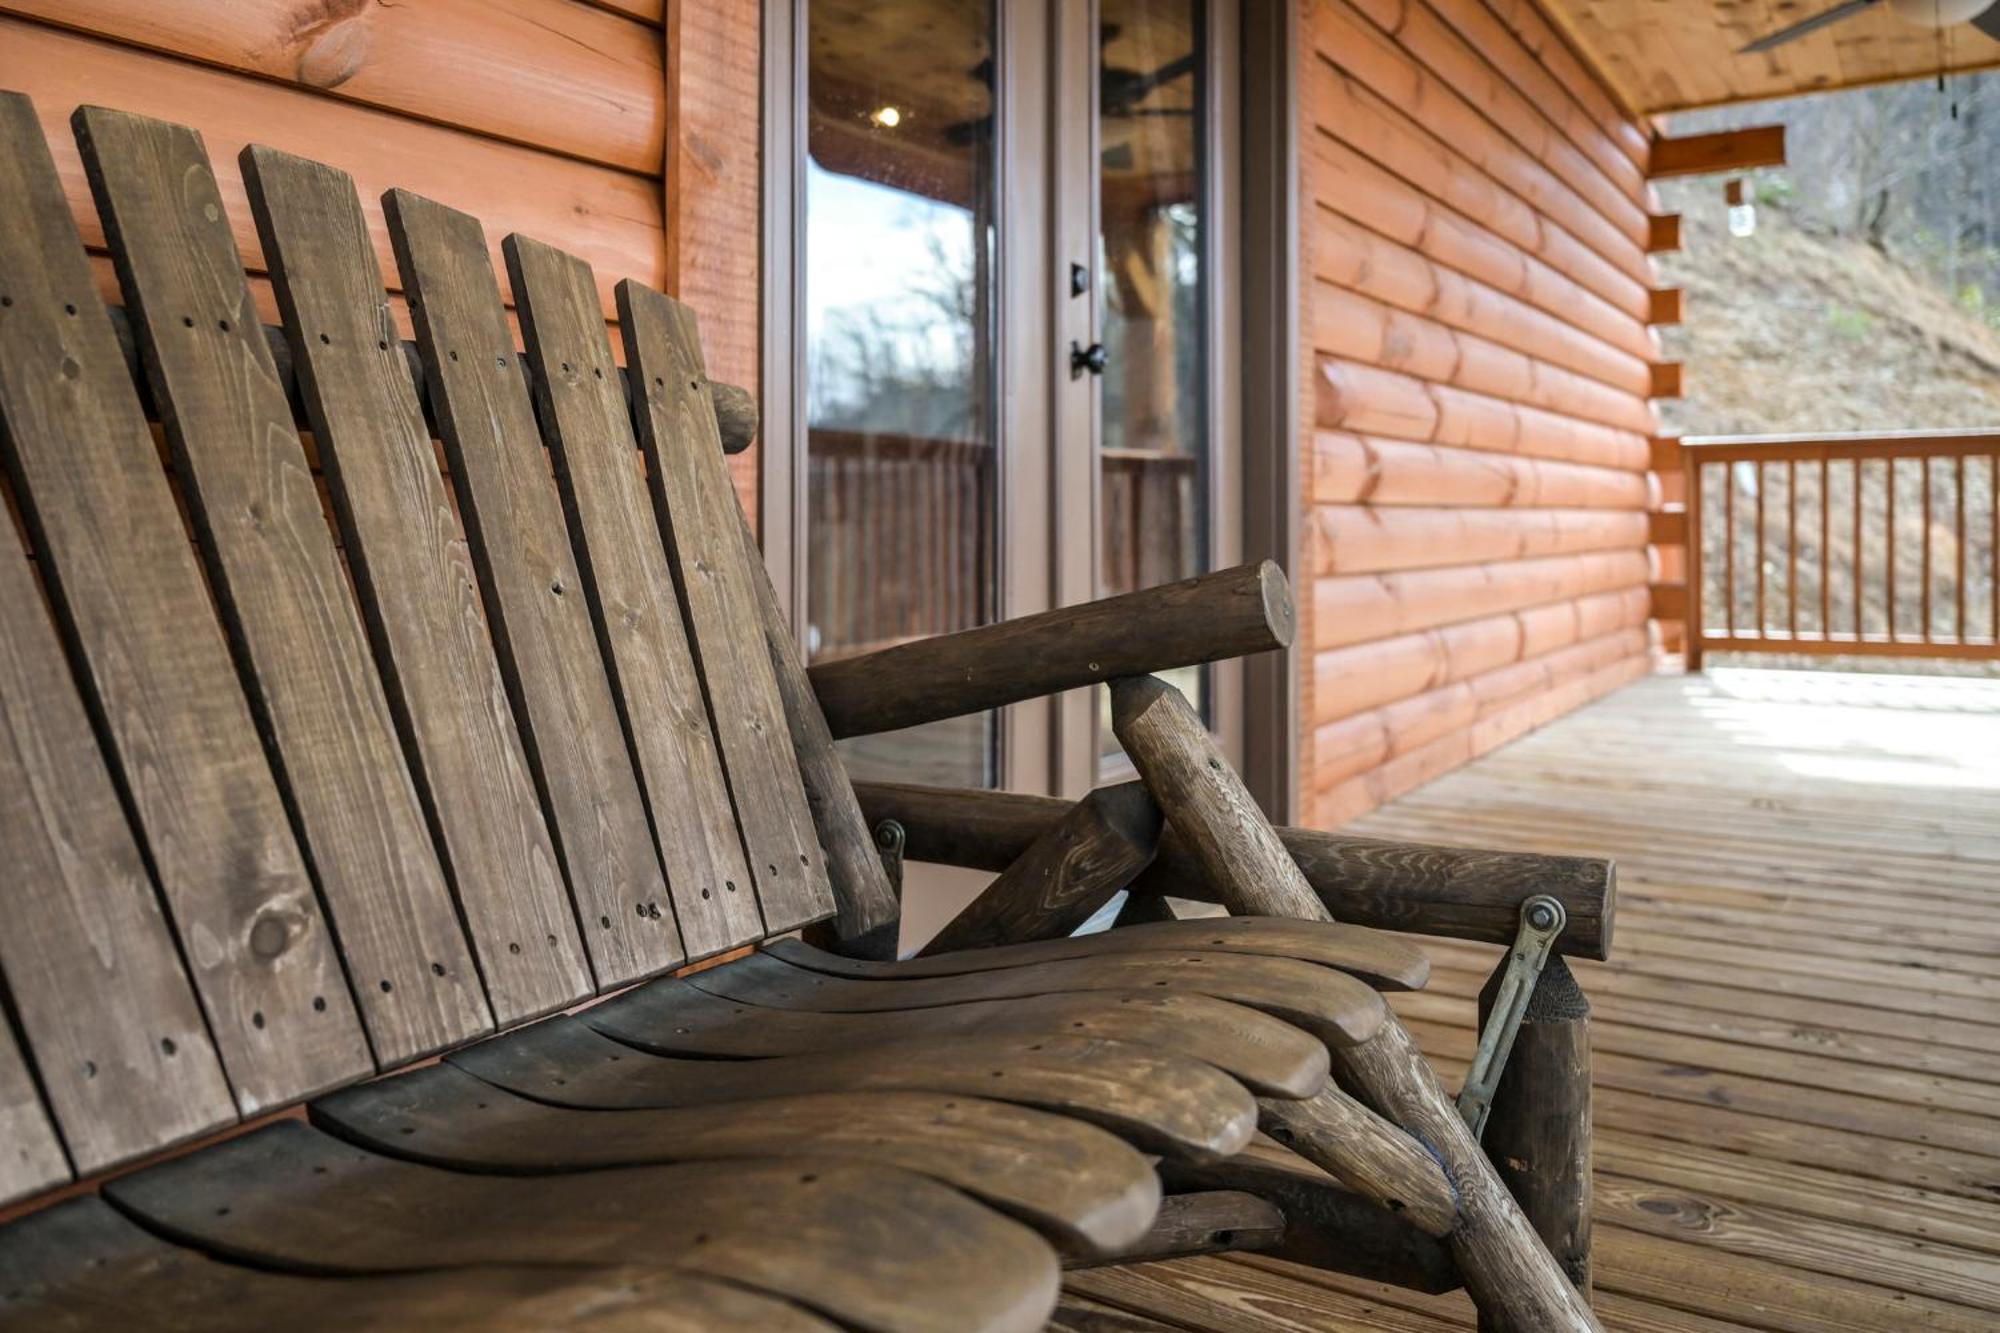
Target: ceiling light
<point>888,117</point>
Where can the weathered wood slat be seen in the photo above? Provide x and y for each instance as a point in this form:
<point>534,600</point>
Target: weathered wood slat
<point>1225,614</point>
<point>1268,1055</point>
<point>53,1267</point>
<point>1064,876</point>
<point>532,591</point>
<point>1084,1188</point>
<point>128,593</point>
<point>33,1160</point>
<point>90,962</point>
<point>284,595</point>
<point>1375,882</point>
<point>698,510</point>
<point>1384,961</point>
<point>1152,1095</point>
<point>1331,1005</point>
<point>628,588</point>
<point>887,1250</point>
<point>417,587</point>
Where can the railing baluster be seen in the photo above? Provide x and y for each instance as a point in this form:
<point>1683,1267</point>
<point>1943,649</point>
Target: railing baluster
<point>1958,534</point>
<point>1825,550</point>
<point>1856,497</point>
<point>1792,544</point>
<point>1889,546</point>
<point>1924,528</point>
<point>1762,622</point>
<point>1729,547</point>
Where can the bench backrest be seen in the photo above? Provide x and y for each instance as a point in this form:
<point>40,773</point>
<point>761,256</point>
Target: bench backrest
<point>362,773</point>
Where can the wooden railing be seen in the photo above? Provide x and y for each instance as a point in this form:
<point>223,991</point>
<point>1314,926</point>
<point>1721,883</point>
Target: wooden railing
<point>1867,545</point>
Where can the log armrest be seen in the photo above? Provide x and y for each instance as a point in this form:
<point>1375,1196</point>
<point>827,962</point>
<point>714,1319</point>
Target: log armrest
<point>1230,613</point>
<point>1432,890</point>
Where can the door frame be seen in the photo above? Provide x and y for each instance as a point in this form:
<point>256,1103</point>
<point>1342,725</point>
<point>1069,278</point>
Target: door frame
<point>1047,491</point>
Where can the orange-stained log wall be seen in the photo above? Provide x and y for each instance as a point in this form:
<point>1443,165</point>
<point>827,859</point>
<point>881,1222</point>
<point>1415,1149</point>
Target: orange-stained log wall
<point>1477,370</point>
<point>555,118</point>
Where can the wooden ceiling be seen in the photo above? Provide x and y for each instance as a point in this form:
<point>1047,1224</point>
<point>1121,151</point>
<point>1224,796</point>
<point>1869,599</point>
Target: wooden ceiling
<point>1670,55</point>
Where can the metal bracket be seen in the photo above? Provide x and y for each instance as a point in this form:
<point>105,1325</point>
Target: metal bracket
<point>1542,919</point>
<point>889,840</point>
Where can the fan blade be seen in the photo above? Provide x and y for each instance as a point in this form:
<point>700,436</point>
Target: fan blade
<point>1804,26</point>
<point>1988,21</point>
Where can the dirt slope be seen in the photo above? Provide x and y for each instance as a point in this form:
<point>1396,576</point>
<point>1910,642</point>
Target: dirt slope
<point>1791,331</point>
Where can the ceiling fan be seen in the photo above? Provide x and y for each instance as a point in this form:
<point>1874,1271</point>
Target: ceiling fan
<point>1935,14</point>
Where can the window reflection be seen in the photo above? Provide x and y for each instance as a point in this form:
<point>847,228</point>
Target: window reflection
<point>1152,316</point>
<point>899,348</point>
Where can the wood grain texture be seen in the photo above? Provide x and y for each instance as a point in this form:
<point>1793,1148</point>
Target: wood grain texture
<point>1206,619</point>
<point>612,217</point>
<point>1475,219</point>
<point>1086,1189</point>
<point>1514,1280</point>
<point>1384,961</point>
<point>529,581</point>
<point>282,590</point>
<point>33,1160</point>
<point>551,73</point>
<point>417,588</point>
<point>867,909</point>
<point>1377,882</point>
<point>954,1264</point>
<point>91,966</point>
<point>1152,1095</point>
<point>1203,1222</point>
<point>712,570</point>
<point>1372,1157</point>
<point>629,590</point>
<point>1332,1006</point>
<point>1211,810</point>
<point>127,589</point>
<point>1266,1054</point>
<point>1539,1131</point>
<point>1064,876</point>
<point>52,1269</point>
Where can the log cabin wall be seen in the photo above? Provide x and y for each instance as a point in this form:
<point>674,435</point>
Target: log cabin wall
<point>555,118</point>
<point>1477,370</point>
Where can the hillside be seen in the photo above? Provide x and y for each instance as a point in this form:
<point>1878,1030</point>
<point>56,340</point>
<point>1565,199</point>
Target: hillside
<point>1793,330</point>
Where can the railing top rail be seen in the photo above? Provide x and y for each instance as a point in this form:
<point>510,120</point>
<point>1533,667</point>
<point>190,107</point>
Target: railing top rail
<point>1837,445</point>
<point>1981,440</point>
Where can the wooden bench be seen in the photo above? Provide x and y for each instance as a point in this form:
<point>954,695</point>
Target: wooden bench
<point>322,756</point>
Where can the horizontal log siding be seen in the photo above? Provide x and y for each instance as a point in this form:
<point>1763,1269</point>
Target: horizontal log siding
<point>1477,384</point>
<point>548,117</point>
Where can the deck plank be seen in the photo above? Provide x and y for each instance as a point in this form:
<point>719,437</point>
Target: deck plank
<point>1796,1030</point>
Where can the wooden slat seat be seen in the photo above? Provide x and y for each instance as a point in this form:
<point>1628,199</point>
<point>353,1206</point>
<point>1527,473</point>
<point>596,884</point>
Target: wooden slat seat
<point>1384,961</point>
<point>55,1267</point>
<point>1088,1189</point>
<point>1331,1005</point>
<point>675,1017</point>
<point>848,1240</point>
<point>1155,1097</point>
<point>309,785</point>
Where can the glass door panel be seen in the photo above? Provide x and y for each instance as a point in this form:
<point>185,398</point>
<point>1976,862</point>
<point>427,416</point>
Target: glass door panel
<point>899,279</point>
<point>1153,450</point>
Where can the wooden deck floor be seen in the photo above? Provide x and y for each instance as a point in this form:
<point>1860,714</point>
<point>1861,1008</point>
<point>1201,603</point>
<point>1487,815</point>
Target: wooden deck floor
<point>1798,1040</point>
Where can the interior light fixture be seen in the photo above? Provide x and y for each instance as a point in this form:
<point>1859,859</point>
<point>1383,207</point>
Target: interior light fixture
<point>886,117</point>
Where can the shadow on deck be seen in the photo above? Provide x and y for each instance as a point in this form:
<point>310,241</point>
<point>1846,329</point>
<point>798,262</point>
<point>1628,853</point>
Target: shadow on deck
<point>1798,1039</point>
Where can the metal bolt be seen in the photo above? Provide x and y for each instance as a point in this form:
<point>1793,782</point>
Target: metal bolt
<point>1542,915</point>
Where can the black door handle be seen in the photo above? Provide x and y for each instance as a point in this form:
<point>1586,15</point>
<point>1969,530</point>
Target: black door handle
<point>1092,358</point>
